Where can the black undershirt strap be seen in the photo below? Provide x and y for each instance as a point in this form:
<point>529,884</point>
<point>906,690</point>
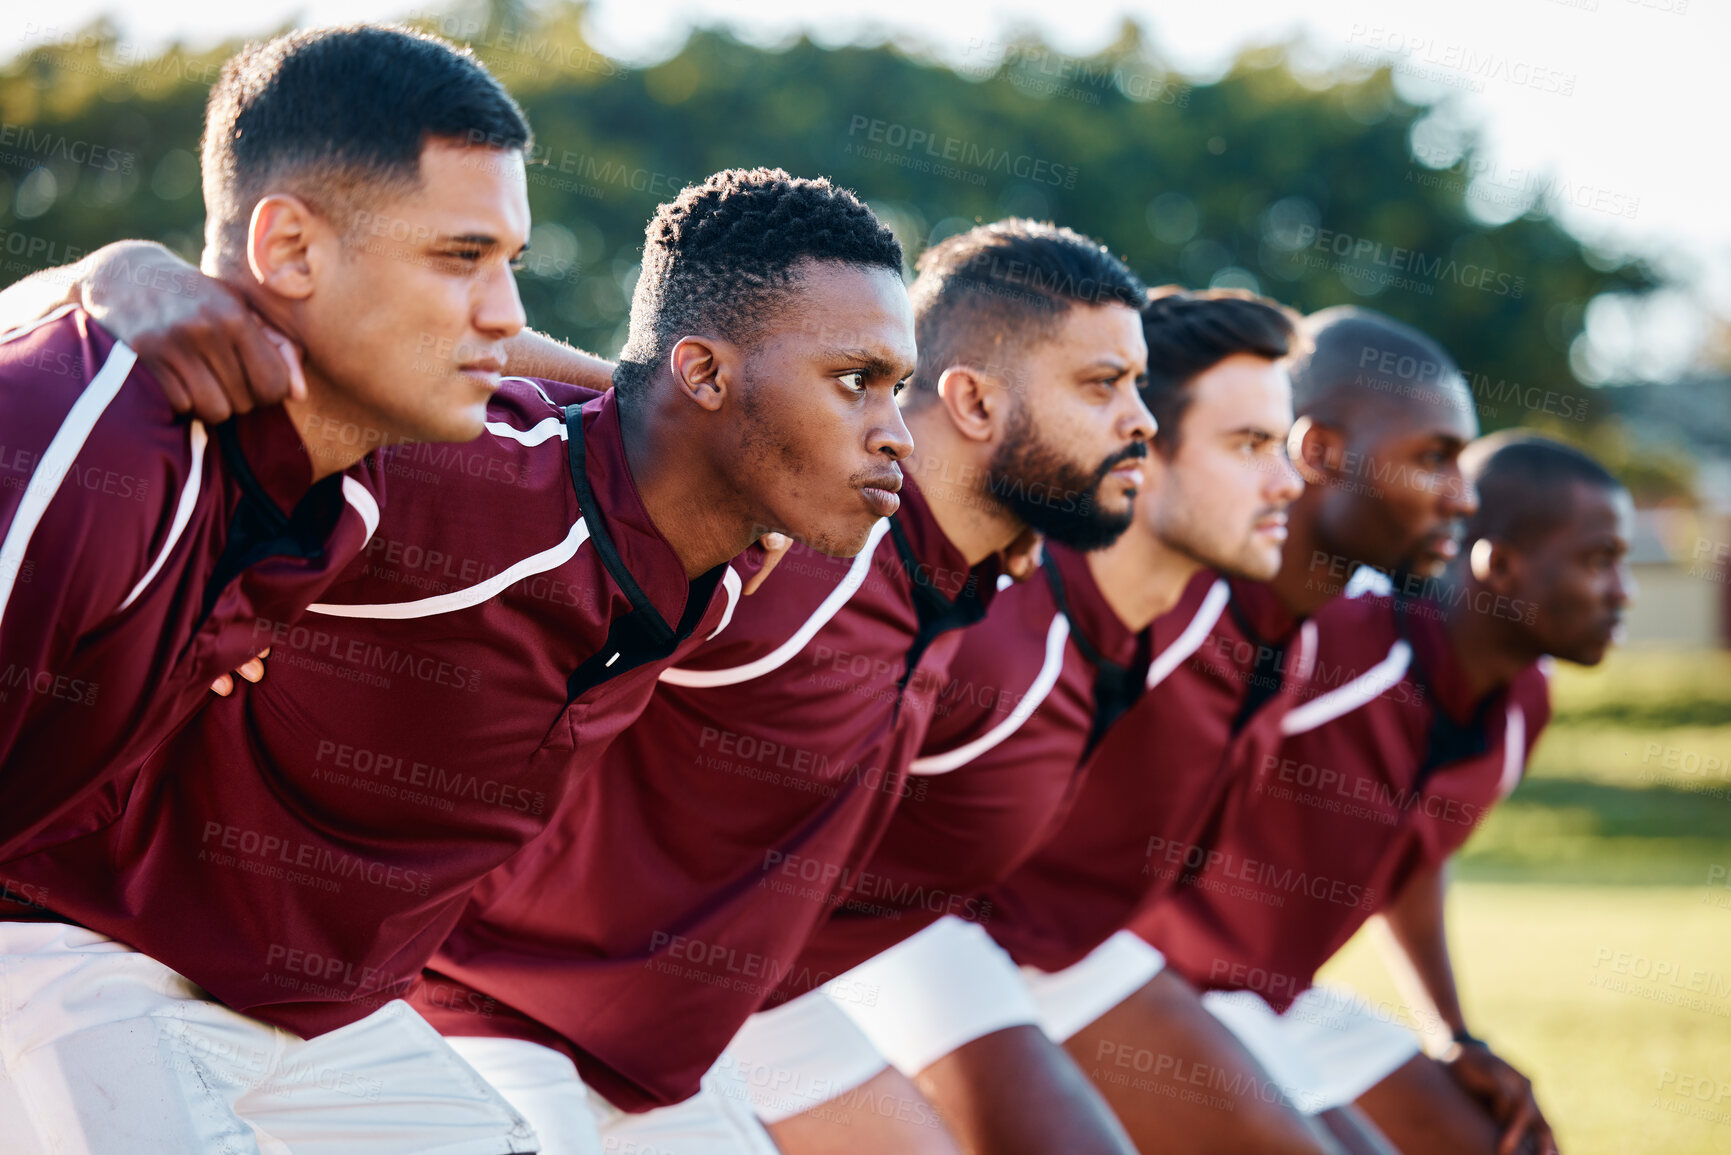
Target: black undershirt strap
<point>1263,681</point>
<point>1448,741</point>
<point>934,612</point>
<point>642,635</point>
<point>260,529</point>
<point>1116,687</point>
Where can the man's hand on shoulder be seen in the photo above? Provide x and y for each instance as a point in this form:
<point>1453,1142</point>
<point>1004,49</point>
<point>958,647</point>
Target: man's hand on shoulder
<point>213,356</point>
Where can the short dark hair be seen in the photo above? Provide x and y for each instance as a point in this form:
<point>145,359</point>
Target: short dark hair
<point>719,256</point>
<point>340,116</point>
<point>1189,333</point>
<point>1358,355</point>
<point>1523,482</point>
<point>983,293</point>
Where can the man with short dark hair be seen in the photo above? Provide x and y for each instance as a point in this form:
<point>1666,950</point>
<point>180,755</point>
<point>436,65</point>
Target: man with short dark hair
<point>139,552</point>
<point>1381,777</point>
<point>677,887</point>
<point>427,718</point>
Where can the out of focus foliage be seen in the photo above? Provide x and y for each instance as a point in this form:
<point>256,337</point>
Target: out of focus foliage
<point>1311,191</point>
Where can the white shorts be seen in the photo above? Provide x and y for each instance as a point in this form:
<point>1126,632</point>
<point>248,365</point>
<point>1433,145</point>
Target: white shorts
<point>574,1120</point>
<point>105,1051</point>
<point>1329,1047</point>
<point>800,1055</point>
<point>1070,999</point>
<point>933,993</point>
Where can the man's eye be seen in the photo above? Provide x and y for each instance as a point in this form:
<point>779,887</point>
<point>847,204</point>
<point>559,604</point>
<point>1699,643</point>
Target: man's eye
<point>855,381</point>
<point>900,385</point>
<point>519,263</point>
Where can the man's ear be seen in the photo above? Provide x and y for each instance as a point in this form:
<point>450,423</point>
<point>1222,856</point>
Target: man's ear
<point>1495,566</point>
<point>704,369</point>
<point>1317,450</point>
<point>977,402</point>
<point>280,241</point>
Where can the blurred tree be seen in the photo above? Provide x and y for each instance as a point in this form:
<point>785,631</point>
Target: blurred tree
<point>1318,192</point>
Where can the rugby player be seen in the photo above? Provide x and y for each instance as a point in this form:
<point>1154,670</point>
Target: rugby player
<point>682,879</point>
<point>1133,819</point>
<point>1380,779</point>
<point>140,553</point>
<point>1032,690</point>
<point>298,850</point>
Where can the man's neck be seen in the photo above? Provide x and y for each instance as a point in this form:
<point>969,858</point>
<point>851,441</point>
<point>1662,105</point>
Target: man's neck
<point>952,474</point>
<point>1489,651</point>
<point>334,431</point>
<point>1311,575</point>
<point>334,438</point>
<point>1140,576</point>
<point>681,492</point>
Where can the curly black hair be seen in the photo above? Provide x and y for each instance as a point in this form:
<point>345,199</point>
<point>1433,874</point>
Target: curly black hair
<point>340,116</point>
<point>718,258</point>
<point>1189,333</point>
<point>983,293</point>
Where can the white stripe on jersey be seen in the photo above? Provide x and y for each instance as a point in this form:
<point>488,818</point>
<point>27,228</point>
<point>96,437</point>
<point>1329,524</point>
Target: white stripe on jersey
<point>32,326</point>
<point>784,653</point>
<point>1194,634</point>
<point>1514,751</point>
<point>364,504</point>
<point>472,595</point>
<point>57,461</point>
<point>1365,688</point>
<point>196,439</point>
<point>729,582</point>
<point>1057,635</point>
<point>544,430</point>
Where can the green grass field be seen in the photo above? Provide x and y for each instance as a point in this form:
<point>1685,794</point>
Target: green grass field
<point>1591,916</point>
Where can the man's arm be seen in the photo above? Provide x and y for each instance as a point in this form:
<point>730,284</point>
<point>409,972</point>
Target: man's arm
<point>532,354</point>
<point>1419,959</point>
<point>195,335</point>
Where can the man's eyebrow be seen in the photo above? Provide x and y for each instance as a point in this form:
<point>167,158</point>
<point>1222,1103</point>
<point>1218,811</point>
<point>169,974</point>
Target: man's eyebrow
<point>479,240</point>
<point>1118,368</point>
<point>875,364</point>
<point>1255,431</point>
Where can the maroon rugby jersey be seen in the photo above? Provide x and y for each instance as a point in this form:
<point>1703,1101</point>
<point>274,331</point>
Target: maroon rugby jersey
<point>1386,768</point>
<point>139,553</point>
<point>682,878</point>
<point>1032,691</point>
<point>300,849</point>
<point>1151,786</point>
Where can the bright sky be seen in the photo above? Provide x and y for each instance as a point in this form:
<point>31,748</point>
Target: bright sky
<point>1617,101</point>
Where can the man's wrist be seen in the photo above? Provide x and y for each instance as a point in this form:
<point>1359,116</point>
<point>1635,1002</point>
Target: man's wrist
<point>1462,1038</point>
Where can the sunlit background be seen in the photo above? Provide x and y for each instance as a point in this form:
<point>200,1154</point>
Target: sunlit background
<point>1538,183</point>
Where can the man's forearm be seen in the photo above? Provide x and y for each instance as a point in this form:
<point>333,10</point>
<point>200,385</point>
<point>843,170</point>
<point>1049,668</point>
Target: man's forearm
<point>47,289</point>
<point>38,294</point>
<point>532,354</point>
<point>1419,954</point>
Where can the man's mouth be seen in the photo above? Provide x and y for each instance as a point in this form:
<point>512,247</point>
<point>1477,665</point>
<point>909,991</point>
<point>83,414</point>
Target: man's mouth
<point>881,493</point>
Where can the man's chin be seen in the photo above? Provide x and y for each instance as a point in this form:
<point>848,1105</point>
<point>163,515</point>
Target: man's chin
<point>839,539</point>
